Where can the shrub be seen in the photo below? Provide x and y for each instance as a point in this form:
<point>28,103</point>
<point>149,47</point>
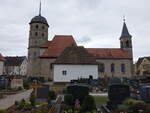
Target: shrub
<point>25,84</point>
<point>22,103</point>
<point>19,88</point>
<point>68,99</point>
<point>104,83</point>
<point>132,105</point>
<point>88,104</point>
<point>32,99</point>
<point>3,111</point>
<point>52,95</point>
<point>27,106</point>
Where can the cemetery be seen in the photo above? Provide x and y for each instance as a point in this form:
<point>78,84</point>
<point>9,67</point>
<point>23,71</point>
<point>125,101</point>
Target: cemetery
<point>76,97</point>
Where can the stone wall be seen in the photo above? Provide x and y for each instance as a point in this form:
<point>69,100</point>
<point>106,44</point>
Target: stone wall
<point>46,67</point>
<point>117,62</point>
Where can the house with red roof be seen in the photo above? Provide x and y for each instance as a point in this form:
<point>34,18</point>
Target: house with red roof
<point>2,59</point>
<point>45,55</point>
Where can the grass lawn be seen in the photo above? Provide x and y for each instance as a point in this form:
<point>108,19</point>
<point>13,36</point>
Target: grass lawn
<point>100,100</point>
<point>58,85</point>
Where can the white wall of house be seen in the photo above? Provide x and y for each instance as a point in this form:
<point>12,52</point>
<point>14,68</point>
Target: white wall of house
<point>74,72</point>
<point>23,68</point>
<point>1,67</point>
<point>16,83</point>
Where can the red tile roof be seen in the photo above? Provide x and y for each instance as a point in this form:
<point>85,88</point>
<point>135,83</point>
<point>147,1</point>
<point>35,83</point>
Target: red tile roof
<point>109,53</point>
<point>1,57</point>
<point>58,44</point>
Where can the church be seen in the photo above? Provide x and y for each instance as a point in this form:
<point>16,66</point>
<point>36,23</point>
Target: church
<point>61,59</point>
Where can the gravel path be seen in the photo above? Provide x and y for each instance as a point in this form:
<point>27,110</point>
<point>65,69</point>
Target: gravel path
<point>10,99</point>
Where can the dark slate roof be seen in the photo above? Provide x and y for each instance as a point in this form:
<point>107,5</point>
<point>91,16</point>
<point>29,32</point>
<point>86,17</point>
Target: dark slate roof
<point>125,32</point>
<point>75,55</point>
<point>1,57</point>
<point>39,19</point>
<point>14,61</point>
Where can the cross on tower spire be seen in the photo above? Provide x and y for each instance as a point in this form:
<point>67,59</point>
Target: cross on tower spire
<point>124,19</point>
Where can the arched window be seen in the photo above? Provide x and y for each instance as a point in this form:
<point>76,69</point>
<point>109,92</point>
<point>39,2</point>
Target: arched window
<point>43,27</point>
<point>42,34</point>
<point>112,67</point>
<point>36,33</point>
<point>101,67</point>
<point>123,68</point>
<point>37,26</point>
<point>127,43</point>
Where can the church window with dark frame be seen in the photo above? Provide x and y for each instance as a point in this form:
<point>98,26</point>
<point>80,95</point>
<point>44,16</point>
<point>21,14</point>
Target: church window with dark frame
<point>101,67</point>
<point>112,67</point>
<point>127,43</point>
<point>36,33</point>
<point>64,72</point>
<point>36,26</point>
<point>43,27</point>
<point>42,34</point>
<point>123,68</point>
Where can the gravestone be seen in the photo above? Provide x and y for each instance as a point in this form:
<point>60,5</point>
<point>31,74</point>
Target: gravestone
<point>117,93</point>
<point>42,94</point>
<point>145,92</point>
<point>78,91</point>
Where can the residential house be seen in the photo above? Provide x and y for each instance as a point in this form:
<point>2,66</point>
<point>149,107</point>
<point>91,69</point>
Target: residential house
<point>15,66</point>
<point>1,64</point>
<point>142,66</point>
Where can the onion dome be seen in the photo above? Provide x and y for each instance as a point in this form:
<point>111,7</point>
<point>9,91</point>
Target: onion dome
<point>39,19</point>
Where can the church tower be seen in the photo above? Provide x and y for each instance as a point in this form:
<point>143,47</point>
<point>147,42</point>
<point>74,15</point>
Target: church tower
<point>126,39</point>
<point>38,35</point>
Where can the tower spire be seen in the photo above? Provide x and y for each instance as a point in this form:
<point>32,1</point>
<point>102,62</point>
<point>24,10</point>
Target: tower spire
<point>125,32</point>
<point>40,9</point>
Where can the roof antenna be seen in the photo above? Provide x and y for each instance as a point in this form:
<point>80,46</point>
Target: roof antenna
<point>124,19</point>
<point>40,9</point>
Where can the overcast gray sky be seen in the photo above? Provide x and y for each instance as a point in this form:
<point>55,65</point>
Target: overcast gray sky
<point>93,23</point>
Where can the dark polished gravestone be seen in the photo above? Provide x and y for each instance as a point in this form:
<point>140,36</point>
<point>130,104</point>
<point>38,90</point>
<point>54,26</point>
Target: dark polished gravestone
<point>78,91</point>
<point>42,94</point>
<point>116,94</point>
<point>145,92</point>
